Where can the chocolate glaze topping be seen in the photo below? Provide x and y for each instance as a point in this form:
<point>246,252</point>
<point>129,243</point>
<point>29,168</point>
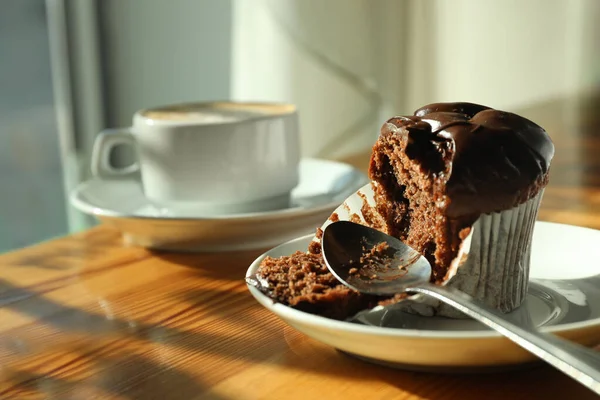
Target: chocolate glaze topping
<point>486,160</point>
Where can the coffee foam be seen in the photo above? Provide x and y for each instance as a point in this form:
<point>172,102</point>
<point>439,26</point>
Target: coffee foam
<point>194,116</point>
<point>217,112</point>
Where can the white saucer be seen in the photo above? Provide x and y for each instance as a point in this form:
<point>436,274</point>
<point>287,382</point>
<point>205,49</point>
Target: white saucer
<point>564,298</point>
<point>323,186</point>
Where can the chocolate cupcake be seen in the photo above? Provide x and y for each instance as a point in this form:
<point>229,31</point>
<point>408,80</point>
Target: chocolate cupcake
<point>462,184</point>
<point>459,182</point>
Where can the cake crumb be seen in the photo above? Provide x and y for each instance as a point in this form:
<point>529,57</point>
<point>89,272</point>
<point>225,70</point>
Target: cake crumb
<point>463,233</point>
<point>354,217</point>
<point>319,234</point>
<point>378,254</point>
<point>372,260</point>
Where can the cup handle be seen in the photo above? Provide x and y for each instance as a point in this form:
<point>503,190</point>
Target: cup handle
<point>106,141</point>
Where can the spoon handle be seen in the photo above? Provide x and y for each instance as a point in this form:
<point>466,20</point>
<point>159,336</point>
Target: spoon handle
<point>577,361</point>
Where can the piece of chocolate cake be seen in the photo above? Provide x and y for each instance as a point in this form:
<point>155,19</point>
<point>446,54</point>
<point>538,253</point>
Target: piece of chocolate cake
<point>303,281</point>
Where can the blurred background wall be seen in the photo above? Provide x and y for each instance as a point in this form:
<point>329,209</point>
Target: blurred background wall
<point>69,68</point>
<point>351,64</point>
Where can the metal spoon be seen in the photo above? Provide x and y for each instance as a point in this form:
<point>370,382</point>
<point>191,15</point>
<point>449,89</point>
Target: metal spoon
<point>343,245</point>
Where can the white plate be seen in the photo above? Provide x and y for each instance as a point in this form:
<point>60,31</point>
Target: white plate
<point>323,186</point>
<point>564,298</point>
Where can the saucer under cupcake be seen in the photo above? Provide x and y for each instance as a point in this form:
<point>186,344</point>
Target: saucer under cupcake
<point>323,186</point>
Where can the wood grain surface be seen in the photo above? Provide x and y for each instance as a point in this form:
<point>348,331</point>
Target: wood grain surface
<point>85,317</point>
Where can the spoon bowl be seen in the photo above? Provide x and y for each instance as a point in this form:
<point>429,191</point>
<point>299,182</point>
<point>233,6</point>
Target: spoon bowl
<point>388,269</point>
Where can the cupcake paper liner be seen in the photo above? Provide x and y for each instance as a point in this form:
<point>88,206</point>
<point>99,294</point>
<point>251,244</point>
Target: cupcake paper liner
<point>494,264</point>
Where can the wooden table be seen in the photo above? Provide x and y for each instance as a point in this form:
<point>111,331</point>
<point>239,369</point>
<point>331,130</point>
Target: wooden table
<point>84,317</point>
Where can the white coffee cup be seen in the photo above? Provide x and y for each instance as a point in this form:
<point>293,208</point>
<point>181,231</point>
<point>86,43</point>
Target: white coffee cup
<point>209,158</point>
